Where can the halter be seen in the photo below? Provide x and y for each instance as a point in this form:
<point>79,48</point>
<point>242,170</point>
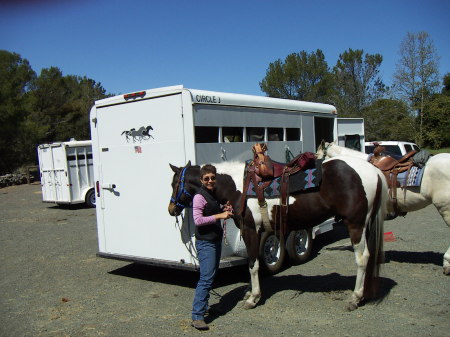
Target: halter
<point>181,190</point>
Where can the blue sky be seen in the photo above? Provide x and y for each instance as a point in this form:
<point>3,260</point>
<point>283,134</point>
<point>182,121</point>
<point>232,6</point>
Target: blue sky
<point>214,45</point>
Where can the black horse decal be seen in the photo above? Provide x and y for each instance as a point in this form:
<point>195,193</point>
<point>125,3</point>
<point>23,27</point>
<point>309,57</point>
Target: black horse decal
<point>143,133</point>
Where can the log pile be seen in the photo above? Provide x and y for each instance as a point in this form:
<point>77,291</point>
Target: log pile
<point>14,179</point>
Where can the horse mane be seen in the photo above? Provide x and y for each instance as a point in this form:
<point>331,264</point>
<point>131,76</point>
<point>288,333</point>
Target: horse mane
<point>334,150</point>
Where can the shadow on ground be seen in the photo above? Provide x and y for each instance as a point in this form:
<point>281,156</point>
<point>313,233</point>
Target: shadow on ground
<point>414,257</point>
<point>300,284</point>
<point>183,278</point>
<point>68,207</point>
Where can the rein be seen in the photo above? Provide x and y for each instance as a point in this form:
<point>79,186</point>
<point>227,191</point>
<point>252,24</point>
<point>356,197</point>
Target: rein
<point>180,190</point>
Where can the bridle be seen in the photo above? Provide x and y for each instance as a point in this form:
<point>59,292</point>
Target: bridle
<point>181,190</point>
<point>325,150</point>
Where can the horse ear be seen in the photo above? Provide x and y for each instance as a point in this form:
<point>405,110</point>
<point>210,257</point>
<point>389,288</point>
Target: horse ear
<point>188,164</point>
<point>174,168</point>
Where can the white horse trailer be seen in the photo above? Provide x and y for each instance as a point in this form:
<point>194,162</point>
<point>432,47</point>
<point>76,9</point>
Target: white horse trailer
<point>66,170</point>
<point>135,137</point>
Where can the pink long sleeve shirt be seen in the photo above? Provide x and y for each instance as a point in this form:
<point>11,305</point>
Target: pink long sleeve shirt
<point>198,205</point>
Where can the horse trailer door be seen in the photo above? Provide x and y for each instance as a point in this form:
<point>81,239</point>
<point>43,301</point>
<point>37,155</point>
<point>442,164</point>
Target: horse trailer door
<point>136,142</point>
<point>61,174</point>
<point>47,173</point>
<point>54,174</point>
<point>350,133</point>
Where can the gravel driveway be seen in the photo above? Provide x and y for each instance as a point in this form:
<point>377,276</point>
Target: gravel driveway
<point>53,284</point>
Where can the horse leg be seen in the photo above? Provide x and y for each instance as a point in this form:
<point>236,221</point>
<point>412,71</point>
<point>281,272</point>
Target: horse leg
<point>442,205</point>
<point>253,293</point>
<point>447,262</point>
<point>361,258</point>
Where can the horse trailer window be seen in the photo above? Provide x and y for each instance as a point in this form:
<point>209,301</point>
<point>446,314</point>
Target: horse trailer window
<point>232,134</point>
<point>274,134</point>
<point>206,134</point>
<point>255,134</point>
<point>292,134</point>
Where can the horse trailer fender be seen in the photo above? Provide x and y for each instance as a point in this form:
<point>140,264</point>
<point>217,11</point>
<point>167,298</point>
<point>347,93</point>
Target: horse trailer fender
<point>324,227</point>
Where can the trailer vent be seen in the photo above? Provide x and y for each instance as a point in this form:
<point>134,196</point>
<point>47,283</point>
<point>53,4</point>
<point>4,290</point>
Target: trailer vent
<point>134,95</point>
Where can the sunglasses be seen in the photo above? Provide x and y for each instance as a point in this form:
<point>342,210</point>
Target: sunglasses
<point>206,179</point>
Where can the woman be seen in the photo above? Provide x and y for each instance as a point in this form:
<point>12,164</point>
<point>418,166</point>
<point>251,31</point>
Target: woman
<point>207,214</point>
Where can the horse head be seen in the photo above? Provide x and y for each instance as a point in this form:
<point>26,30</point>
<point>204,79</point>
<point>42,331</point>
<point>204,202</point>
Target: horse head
<point>322,150</point>
<point>330,150</point>
<point>185,183</point>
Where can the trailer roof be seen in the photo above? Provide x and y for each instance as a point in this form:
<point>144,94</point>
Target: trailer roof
<point>222,98</point>
<point>70,143</point>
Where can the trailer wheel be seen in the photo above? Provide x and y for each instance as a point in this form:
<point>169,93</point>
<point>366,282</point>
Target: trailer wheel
<point>299,245</point>
<point>271,253</point>
<point>90,198</point>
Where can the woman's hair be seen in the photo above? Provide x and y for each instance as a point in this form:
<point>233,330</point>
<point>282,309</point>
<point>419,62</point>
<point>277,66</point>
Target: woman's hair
<point>208,168</point>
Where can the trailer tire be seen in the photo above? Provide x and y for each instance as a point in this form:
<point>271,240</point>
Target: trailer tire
<point>299,246</point>
<point>271,253</point>
<point>90,198</point>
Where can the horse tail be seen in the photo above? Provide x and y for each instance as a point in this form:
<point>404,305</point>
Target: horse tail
<point>374,238</point>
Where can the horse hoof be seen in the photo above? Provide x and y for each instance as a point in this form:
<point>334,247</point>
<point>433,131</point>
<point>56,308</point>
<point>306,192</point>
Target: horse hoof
<point>351,306</point>
<point>446,271</point>
<point>249,305</point>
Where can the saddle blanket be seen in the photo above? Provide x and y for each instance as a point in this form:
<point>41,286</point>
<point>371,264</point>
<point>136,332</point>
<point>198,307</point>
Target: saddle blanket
<point>302,180</point>
<point>411,178</point>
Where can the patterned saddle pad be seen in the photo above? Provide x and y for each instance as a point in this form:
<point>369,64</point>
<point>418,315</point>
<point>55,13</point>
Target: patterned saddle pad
<point>411,178</point>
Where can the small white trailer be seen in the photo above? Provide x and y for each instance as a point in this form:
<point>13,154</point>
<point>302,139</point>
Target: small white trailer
<point>135,136</point>
<point>67,172</point>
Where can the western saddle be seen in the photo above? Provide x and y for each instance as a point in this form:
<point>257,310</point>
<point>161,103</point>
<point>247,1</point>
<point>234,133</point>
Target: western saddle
<point>262,170</point>
<point>391,168</point>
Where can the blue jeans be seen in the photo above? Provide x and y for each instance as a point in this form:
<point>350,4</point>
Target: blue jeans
<point>208,254</point>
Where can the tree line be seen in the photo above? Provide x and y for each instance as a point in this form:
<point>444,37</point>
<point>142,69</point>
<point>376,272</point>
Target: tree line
<point>37,109</point>
<point>49,107</point>
<point>416,108</point>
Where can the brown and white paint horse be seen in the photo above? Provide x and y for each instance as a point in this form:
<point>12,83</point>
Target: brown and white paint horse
<point>352,190</point>
<point>434,189</point>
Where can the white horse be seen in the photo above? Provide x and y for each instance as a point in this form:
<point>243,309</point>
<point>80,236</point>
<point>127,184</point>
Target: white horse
<point>434,189</point>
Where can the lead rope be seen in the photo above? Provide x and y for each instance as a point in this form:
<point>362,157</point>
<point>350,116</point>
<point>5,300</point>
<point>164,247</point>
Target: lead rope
<point>189,245</point>
<point>224,226</point>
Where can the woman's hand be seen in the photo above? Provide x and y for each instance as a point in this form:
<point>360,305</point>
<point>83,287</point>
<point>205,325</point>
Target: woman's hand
<point>224,215</point>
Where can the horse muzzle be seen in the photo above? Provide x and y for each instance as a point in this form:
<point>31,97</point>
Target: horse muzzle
<point>174,210</point>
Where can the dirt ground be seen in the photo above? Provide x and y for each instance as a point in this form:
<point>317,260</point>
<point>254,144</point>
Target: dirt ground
<point>53,284</point>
